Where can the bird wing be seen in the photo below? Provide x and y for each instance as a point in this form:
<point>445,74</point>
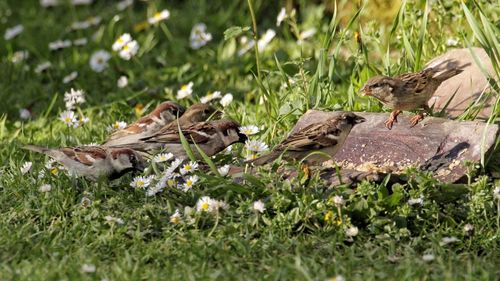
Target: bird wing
<point>86,155</point>
<point>199,132</point>
<point>313,137</point>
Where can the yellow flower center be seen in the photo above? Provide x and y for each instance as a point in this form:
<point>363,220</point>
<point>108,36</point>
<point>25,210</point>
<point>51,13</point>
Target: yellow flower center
<point>187,167</point>
<point>54,171</point>
<point>189,183</point>
<point>126,47</point>
<point>157,15</point>
<point>184,87</point>
<point>120,40</point>
<point>205,206</point>
<point>140,183</point>
<point>175,220</point>
<point>67,119</point>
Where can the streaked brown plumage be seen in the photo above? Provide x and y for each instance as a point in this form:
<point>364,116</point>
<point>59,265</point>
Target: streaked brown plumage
<point>94,161</point>
<point>162,115</point>
<point>325,137</point>
<point>210,136</point>
<point>409,91</point>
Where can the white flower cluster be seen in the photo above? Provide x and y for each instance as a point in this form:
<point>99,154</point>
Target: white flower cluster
<point>125,46</point>
<point>199,36</point>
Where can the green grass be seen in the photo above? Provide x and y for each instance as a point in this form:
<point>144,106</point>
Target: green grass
<point>302,233</point>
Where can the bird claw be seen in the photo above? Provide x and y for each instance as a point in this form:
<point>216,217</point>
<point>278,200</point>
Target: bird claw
<point>415,119</point>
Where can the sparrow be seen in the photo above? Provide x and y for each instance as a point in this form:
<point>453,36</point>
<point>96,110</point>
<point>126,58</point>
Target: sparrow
<point>198,112</point>
<point>326,137</point>
<point>210,136</point>
<point>162,115</point>
<point>410,91</point>
<point>94,162</point>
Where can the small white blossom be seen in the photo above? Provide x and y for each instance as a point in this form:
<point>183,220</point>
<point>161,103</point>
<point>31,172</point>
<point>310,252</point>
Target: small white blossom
<point>496,192</point>
<point>249,130</point>
<point>42,67</point>
<point>451,42</point>
<point>256,146</point>
<point>266,39</point>
<point>338,200</point>
<point>448,240</point>
<point>162,157</point>
<point>49,3</point>
<point>173,166</point>
<point>59,44</point>
<point>122,5</point>
<point>352,231</point>
<point>73,97</point>
<point>129,50</point>
<point>205,204</point>
<point>258,206</point>
<point>45,188</point>
<point>189,168</point>
<point>81,2</point>
<point>185,91</point>
<point>26,167</point>
<point>99,60</point>
<point>416,201</point>
<point>122,82</point>
<point>210,97</point>
<point>24,113</point>
<point>80,42</point>
<point>199,36</point>
<point>157,188</point>
<point>306,34</point>
<point>68,117</point>
<point>176,217</point>
<point>281,17</point>
<point>159,16</point>
<point>111,219</point>
<point>226,100</point>
<point>190,182</point>
<point>121,42</point>
<point>468,228</point>
<point>70,77</point>
<point>141,182</point>
<point>88,268</point>
<point>13,32</point>
<point>118,125</point>
<point>428,257</point>
<point>224,170</point>
<point>19,56</point>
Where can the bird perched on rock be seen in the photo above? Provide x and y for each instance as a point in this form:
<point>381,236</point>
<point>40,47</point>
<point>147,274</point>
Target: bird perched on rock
<point>162,115</point>
<point>210,136</point>
<point>94,162</point>
<point>409,91</point>
<point>325,137</point>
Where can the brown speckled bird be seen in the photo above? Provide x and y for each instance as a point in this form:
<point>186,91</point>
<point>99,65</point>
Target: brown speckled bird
<point>410,91</point>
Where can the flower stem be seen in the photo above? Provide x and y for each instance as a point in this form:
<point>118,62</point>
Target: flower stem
<point>256,46</point>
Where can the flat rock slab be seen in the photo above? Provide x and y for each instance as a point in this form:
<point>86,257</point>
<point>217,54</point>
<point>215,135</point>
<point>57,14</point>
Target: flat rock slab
<point>437,145</point>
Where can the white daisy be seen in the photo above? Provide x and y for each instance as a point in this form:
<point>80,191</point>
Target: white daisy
<point>81,2</point>
<point>190,182</point>
<point>122,81</point>
<point>141,182</point>
<point>111,219</point>
<point>210,97</point>
<point>173,166</point>
<point>80,41</point>
<point>258,206</point>
<point>352,231</point>
<point>226,100</point>
<point>118,125</point>
<point>185,91</point>
<point>24,113</point>
<point>99,60</point>
<point>159,16</point>
<point>162,157</point>
<point>19,56</point>
<point>249,130</point>
<point>256,146</point>
<point>13,32</point>
<point>176,217</point>
<point>416,201</point>
<point>281,17</point>
<point>266,39</point>
<point>45,188</point>
<point>68,117</point>
<point>306,34</point>
<point>224,170</point>
<point>70,77</point>
<point>189,168</point>
<point>205,204</point>
<point>49,3</point>
<point>87,267</point>
<point>157,188</point>
<point>129,50</point>
<point>41,67</point>
<point>26,167</point>
<point>122,5</point>
<point>448,240</point>
<point>199,36</point>
<point>59,44</point>
<point>73,97</point>
<point>428,257</point>
<point>496,192</point>
<point>451,42</point>
<point>121,42</point>
<point>338,200</point>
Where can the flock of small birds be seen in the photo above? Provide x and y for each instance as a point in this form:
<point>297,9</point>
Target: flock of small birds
<point>126,149</point>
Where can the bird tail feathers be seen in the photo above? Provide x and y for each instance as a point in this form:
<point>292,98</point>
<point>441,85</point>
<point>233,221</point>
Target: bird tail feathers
<point>447,74</point>
<point>36,148</point>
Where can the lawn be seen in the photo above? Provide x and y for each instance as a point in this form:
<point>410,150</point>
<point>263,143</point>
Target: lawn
<point>309,55</point>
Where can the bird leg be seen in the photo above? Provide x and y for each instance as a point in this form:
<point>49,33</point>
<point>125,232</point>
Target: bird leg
<point>393,118</point>
<point>419,117</point>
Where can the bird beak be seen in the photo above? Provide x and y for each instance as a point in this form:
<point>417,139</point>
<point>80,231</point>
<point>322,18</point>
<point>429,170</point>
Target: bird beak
<point>359,119</point>
<point>242,137</point>
<point>363,92</point>
<point>141,166</point>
